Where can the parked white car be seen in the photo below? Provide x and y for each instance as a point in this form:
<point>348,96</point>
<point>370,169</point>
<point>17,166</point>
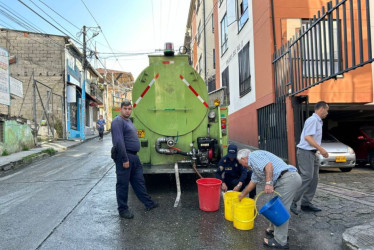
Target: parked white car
<point>340,155</point>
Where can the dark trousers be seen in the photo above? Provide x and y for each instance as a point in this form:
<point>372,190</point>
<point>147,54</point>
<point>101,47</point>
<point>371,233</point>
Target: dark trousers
<point>133,175</point>
<point>231,183</point>
<point>101,132</point>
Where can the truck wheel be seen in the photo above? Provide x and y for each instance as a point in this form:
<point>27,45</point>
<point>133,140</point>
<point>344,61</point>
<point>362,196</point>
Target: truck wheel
<point>345,169</point>
<point>371,160</point>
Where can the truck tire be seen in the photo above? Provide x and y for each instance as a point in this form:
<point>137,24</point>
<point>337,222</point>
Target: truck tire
<point>371,160</point>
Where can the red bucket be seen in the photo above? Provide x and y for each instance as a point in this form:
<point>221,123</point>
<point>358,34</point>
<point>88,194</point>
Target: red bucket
<point>209,193</point>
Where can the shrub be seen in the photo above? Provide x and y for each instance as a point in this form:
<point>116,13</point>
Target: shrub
<point>5,152</point>
<point>49,151</point>
<point>59,127</point>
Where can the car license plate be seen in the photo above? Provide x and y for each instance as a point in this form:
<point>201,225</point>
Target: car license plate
<point>141,133</point>
<point>340,159</point>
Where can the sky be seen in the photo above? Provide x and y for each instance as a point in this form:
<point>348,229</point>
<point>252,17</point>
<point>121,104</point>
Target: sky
<point>129,26</point>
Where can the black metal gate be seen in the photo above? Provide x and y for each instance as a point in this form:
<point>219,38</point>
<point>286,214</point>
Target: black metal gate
<point>301,113</point>
<point>325,48</point>
<point>272,130</point>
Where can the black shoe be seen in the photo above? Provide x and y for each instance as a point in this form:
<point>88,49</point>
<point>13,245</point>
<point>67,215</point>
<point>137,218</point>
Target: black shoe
<point>155,204</point>
<point>310,208</point>
<point>127,214</point>
<point>293,208</point>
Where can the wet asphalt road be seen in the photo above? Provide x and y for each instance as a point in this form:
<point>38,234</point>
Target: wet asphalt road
<point>68,202</point>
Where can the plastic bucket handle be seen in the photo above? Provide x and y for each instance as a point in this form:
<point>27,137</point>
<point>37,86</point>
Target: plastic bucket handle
<point>254,217</point>
<point>261,193</point>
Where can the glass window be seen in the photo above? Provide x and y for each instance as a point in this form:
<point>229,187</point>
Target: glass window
<point>224,36</point>
<point>321,54</point>
<point>244,71</point>
<point>212,83</point>
<point>214,58</point>
<point>226,85</point>
<point>200,65</point>
<point>212,22</point>
<point>243,15</point>
<point>73,115</point>
<point>199,32</point>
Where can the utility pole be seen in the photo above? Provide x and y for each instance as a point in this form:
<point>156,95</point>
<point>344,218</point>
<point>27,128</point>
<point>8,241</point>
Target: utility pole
<point>205,73</point>
<point>34,109</point>
<point>83,97</point>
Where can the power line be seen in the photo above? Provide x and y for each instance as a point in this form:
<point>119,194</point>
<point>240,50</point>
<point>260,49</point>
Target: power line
<point>101,31</point>
<point>22,22</point>
<point>47,21</point>
<point>59,14</point>
<point>52,18</point>
<point>153,23</point>
<point>6,24</point>
<point>15,17</point>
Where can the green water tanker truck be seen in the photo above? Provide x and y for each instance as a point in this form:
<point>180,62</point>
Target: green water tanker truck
<point>174,122</point>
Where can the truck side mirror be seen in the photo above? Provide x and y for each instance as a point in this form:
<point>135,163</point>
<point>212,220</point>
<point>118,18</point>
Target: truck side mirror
<point>361,137</point>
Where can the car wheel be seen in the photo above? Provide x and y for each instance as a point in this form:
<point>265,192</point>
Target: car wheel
<point>345,169</point>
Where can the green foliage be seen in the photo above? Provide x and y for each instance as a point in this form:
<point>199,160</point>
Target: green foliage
<point>49,151</point>
<point>5,152</point>
<point>25,147</point>
<point>59,127</point>
<point>29,157</point>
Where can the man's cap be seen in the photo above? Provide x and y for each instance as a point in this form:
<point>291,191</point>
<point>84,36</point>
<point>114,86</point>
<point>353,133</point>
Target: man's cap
<point>232,151</point>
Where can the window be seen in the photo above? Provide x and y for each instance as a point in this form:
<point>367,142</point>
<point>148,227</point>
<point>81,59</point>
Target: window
<point>200,64</point>
<point>309,50</point>
<point>244,71</point>
<point>226,85</point>
<point>212,83</point>
<point>199,32</point>
<point>224,35</point>
<point>73,115</point>
<point>212,22</point>
<point>214,58</point>
<point>243,15</point>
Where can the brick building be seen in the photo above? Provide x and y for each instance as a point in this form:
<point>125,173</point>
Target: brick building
<point>53,63</point>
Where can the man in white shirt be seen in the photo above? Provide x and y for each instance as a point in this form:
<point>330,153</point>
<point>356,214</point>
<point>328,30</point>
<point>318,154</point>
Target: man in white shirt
<point>310,143</point>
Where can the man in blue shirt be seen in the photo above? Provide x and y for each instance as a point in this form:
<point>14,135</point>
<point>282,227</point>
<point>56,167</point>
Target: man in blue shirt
<point>232,174</point>
<point>310,143</point>
<point>278,176</point>
<point>100,126</point>
<point>128,167</point>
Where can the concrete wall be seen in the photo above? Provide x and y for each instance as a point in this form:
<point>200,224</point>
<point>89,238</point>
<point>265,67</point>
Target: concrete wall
<point>16,137</point>
<point>42,55</point>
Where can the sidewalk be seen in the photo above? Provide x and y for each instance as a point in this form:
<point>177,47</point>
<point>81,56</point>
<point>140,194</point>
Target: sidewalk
<point>354,238</point>
<point>44,150</point>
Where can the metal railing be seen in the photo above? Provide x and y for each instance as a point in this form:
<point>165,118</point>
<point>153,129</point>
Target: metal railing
<point>324,48</point>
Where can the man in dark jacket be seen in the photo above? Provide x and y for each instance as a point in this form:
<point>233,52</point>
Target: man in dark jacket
<point>128,167</point>
<point>232,174</point>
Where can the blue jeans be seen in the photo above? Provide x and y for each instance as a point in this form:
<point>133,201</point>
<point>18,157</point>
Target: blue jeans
<point>133,175</point>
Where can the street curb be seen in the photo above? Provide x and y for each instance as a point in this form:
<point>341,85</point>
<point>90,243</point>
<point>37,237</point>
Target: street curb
<point>24,161</point>
<point>38,156</point>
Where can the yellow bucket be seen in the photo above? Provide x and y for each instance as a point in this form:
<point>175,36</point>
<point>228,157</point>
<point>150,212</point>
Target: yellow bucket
<point>244,214</point>
<point>229,197</point>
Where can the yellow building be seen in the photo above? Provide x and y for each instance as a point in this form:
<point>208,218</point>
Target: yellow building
<point>117,86</point>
